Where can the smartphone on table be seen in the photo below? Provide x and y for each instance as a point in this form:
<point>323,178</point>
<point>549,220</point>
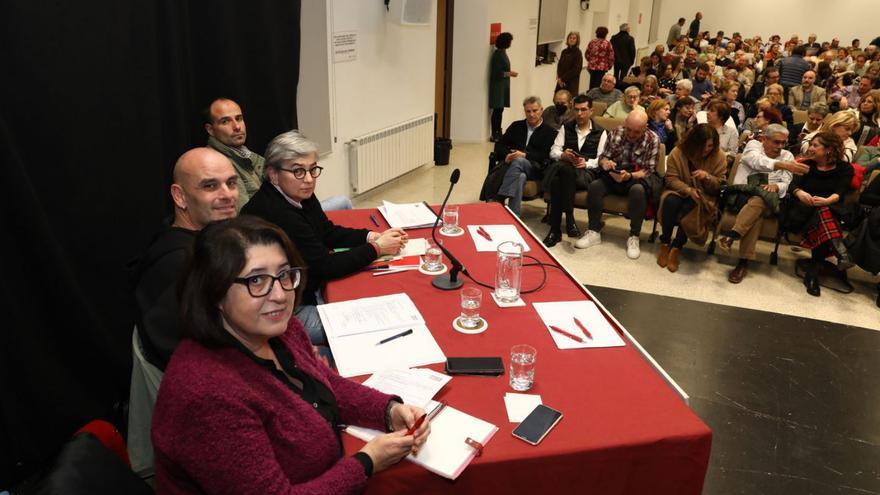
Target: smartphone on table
<point>537,424</point>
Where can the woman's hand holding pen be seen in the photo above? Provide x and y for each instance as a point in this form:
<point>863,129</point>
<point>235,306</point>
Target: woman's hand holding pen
<point>404,416</point>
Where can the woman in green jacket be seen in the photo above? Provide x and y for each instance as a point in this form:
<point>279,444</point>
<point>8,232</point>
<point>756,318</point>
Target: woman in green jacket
<point>499,82</point>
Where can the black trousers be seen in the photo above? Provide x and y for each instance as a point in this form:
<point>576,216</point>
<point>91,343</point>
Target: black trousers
<point>496,121</point>
<point>633,189</point>
<point>596,78</point>
<point>620,72</point>
<point>562,190</point>
<point>674,209</point>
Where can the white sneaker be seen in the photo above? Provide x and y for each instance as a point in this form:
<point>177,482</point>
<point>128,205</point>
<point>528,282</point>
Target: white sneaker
<point>632,247</point>
<point>590,239</point>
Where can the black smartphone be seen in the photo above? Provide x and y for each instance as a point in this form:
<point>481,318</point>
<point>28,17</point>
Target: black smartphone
<point>474,366</point>
<point>537,424</point>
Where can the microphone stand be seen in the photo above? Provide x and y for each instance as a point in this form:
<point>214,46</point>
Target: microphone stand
<point>448,281</point>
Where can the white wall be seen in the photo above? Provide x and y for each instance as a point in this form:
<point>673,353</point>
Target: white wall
<point>391,81</point>
<point>469,92</point>
<point>846,19</point>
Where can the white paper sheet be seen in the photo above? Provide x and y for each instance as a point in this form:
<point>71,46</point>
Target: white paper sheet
<point>562,313</point>
<point>358,354</point>
<point>499,234</point>
<point>414,247</point>
<point>407,215</point>
<point>520,405</point>
<point>416,386</point>
<point>369,314</point>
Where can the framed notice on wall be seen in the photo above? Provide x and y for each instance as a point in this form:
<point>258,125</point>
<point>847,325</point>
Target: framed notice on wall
<point>345,46</point>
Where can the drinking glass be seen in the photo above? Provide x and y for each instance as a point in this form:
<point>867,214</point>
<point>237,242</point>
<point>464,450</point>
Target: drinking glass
<point>471,298</point>
<point>433,256</point>
<point>450,219</point>
<point>522,367</point>
<point>508,271</point>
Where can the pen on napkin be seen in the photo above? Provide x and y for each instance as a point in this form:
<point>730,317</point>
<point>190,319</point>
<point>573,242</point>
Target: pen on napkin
<point>482,232</point>
<point>563,332</point>
<point>583,328</point>
<point>373,219</point>
<point>396,336</point>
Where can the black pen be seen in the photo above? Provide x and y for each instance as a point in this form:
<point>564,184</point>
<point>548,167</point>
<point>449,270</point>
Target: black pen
<point>389,339</point>
<point>375,222</point>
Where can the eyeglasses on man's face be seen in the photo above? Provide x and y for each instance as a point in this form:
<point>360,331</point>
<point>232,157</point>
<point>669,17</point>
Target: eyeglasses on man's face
<point>300,172</point>
<point>260,285</point>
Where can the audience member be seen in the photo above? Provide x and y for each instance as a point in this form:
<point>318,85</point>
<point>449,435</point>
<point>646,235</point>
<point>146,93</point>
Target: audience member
<point>499,82</point>
<point>227,134</point>
<point>701,86</point>
<point>287,199</point>
<point>684,116</point>
<point>575,151</point>
<point>695,171</point>
<point>683,89</point>
<point>691,60</point>
<point>620,109</point>
<point>660,123</point>
<point>665,79</point>
<point>759,90</point>
<point>624,51</point>
<point>869,109</point>
<point>815,116</point>
<point>675,33</point>
<point>850,96</point>
<point>717,113</point>
<point>525,146</point>
<point>694,28</point>
<point>819,196</point>
<point>792,68</point>
<point>764,173</point>
<point>245,406</point>
<point>729,91</point>
<point>606,92</point>
<point>627,167</point>
<point>859,65</point>
<point>801,97</point>
<point>205,189</point>
<point>560,112</point>
<point>843,124</point>
<point>650,91</point>
<point>571,61</point>
<point>863,242</point>
<point>766,115</point>
<point>600,56</point>
<point>776,95</point>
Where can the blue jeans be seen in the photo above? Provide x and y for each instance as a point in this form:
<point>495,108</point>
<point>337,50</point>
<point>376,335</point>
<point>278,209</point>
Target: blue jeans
<point>515,179</point>
<point>336,203</point>
<point>308,316</point>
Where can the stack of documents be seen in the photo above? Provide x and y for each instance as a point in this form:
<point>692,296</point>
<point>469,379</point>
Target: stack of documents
<point>562,314</point>
<point>416,386</point>
<point>355,328</point>
<point>408,215</point>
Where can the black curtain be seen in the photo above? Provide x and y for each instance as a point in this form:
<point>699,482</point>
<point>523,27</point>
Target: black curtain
<point>98,101</point>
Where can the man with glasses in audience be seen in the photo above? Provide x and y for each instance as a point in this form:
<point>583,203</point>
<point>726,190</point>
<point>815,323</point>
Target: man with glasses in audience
<point>205,189</point>
<point>227,133</point>
<point>287,199</point>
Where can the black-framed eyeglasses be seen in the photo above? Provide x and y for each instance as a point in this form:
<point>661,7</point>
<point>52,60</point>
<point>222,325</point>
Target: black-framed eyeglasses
<point>260,285</point>
<point>300,172</point>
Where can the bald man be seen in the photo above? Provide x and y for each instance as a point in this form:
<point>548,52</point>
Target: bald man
<point>205,189</point>
<point>626,168</point>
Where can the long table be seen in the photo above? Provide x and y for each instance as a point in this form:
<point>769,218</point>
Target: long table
<point>626,427</point>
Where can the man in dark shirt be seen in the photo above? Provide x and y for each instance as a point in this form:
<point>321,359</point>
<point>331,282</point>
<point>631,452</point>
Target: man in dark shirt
<point>624,52</point>
<point>205,189</point>
<point>526,147</point>
<point>694,28</point>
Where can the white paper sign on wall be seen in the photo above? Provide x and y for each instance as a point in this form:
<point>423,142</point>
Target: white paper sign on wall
<point>345,46</point>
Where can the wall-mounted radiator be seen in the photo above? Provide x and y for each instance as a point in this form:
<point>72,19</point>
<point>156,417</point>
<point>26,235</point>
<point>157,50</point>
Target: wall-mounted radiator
<point>380,156</point>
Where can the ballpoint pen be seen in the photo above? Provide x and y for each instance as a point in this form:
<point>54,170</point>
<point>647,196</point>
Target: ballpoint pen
<point>482,232</point>
<point>396,336</point>
<point>583,328</point>
<point>429,415</point>
<point>373,219</point>
<point>396,269</point>
<point>563,332</point>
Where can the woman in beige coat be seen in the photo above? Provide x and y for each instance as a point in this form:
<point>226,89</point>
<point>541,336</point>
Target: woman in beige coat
<point>695,171</point>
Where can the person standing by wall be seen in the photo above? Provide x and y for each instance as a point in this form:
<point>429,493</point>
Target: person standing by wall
<point>624,51</point>
<point>600,56</point>
<point>694,28</point>
<point>499,82</point>
<point>571,61</point>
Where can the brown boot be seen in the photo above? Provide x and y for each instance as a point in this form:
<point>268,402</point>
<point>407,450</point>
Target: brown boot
<point>672,262</point>
<point>663,255</point>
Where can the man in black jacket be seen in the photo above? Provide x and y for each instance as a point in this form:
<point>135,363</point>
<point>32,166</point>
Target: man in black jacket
<point>694,28</point>
<point>525,146</point>
<point>624,52</point>
<point>205,189</point>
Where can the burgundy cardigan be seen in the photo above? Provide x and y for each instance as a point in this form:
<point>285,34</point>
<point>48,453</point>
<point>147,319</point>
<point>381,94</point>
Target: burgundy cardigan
<point>224,424</point>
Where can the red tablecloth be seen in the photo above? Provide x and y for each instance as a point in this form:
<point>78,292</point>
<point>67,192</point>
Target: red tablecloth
<point>624,430</point>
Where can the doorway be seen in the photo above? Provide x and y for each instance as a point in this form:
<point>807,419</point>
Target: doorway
<point>443,69</point>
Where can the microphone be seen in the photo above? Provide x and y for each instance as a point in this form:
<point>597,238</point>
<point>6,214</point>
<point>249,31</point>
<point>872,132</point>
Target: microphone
<point>448,281</point>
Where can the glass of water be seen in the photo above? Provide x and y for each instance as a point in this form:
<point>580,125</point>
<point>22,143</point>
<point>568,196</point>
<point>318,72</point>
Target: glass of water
<point>522,367</point>
<point>450,219</point>
<point>471,299</point>
<point>433,260</point>
<point>508,271</point>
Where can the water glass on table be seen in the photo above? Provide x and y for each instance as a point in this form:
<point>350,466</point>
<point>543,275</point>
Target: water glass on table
<point>471,299</point>
<point>450,220</point>
<point>433,259</point>
<point>522,367</point>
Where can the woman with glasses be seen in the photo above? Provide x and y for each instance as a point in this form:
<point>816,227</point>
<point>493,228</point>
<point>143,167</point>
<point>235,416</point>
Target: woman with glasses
<point>331,251</point>
<point>245,406</point>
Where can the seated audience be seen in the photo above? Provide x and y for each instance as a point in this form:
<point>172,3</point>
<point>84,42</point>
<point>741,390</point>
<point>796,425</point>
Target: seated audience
<point>627,167</point>
<point>775,93</point>
<point>842,123</point>
<point>701,86</point>
<point>245,406</point>
<point>205,189</point>
<point>759,90</point>
<point>620,109</point>
<point>575,151</point>
<point>660,123</point>
<point>560,112</point>
<point>763,175</point>
<point>729,91</point>
<point>666,80</point>
<point>801,97</point>
<point>850,96</point>
<point>606,92</point>
<point>818,204</point>
<point>792,68</point>
<point>683,90</point>
<point>525,147</point>
<point>695,171</point>
<point>683,116</point>
<point>869,109</point>
<point>691,62</point>
<point>717,113</point>
<point>815,116</point>
<point>287,199</point>
<point>650,91</point>
<point>767,115</point>
<point>859,65</point>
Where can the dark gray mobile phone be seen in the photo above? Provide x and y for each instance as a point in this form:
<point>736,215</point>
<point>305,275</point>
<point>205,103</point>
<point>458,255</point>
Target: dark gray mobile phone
<point>474,366</point>
<point>537,424</point>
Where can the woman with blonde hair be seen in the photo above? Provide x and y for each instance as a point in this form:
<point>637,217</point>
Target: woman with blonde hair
<point>659,122</point>
<point>650,90</point>
<point>776,95</point>
<point>842,123</point>
<point>571,61</point>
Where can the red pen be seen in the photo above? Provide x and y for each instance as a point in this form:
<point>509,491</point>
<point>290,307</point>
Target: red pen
<point>482,232</point>
<point>583,328</point>
<point>412,429</point>
<point>569,335</point>
<point>430,415</point>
